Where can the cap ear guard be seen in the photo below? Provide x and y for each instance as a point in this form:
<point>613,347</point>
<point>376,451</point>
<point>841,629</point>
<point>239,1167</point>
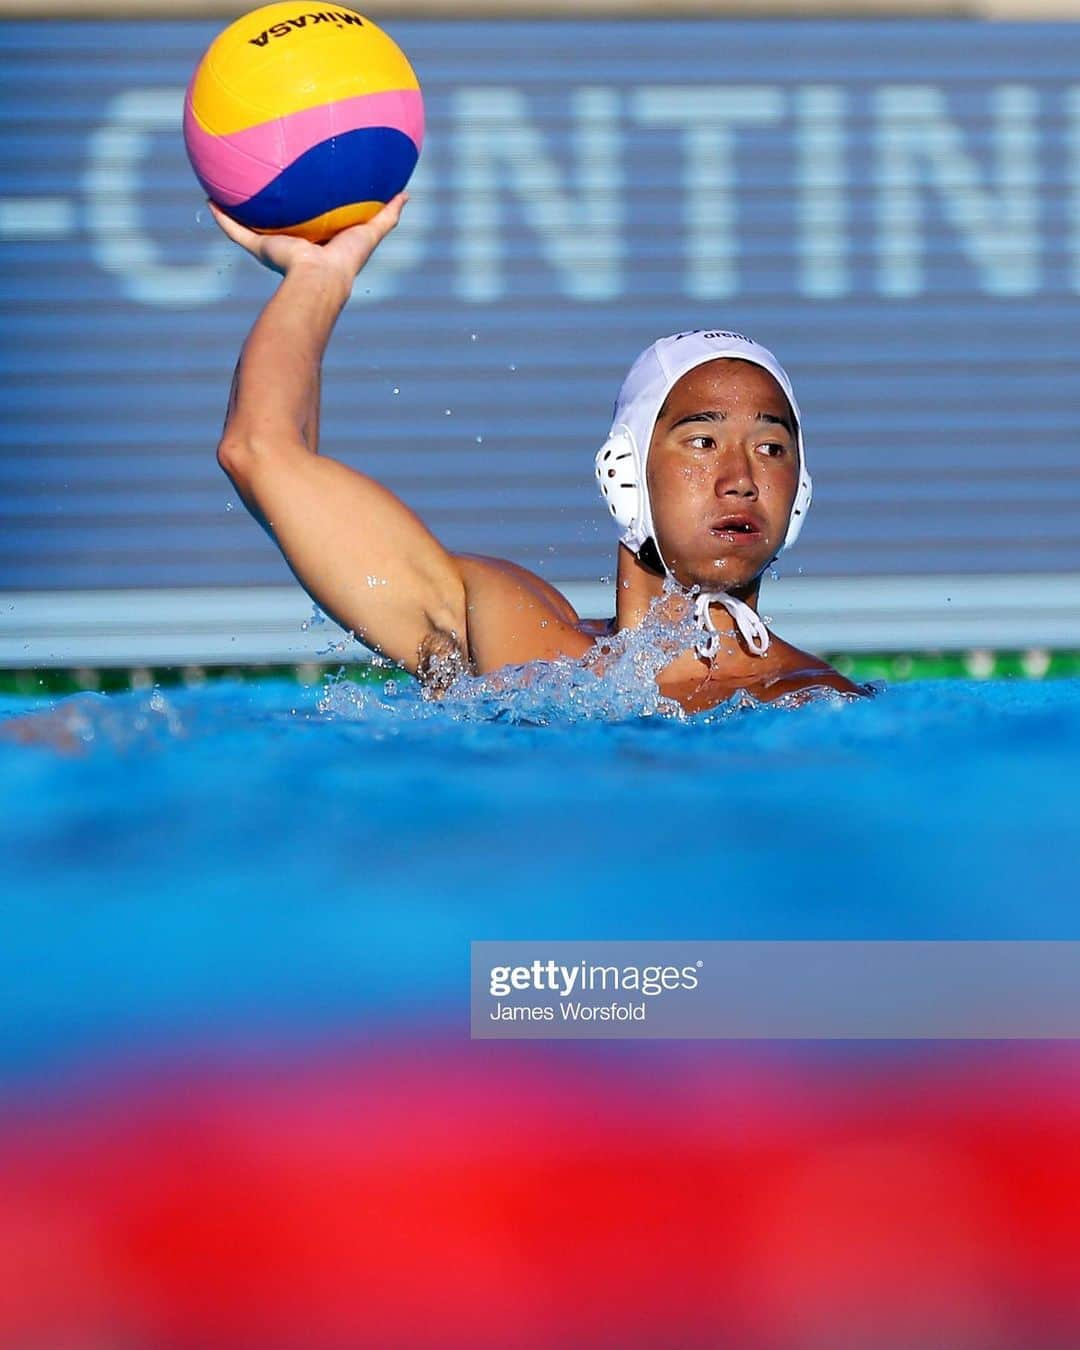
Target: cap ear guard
<point>803,496</point>
<point>619,479</point>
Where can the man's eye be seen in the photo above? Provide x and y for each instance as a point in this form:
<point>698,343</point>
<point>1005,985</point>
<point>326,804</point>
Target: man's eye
<point>701,442</point>
<point>774,449</point>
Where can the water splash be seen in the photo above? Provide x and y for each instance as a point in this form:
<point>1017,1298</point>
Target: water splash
<point>337,646</point>
<point>84,722</point>
<point>615,681</point>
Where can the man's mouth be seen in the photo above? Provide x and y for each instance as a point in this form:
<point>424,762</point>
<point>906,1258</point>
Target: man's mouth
<point>737,529</point>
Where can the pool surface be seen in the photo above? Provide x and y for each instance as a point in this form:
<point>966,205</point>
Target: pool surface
<point>234,1066</point>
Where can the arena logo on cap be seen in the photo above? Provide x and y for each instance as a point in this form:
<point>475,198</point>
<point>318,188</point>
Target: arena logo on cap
<point>717,333</point>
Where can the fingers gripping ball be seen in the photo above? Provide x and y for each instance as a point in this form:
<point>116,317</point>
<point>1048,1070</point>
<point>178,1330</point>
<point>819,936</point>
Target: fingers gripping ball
<point>300,120</point>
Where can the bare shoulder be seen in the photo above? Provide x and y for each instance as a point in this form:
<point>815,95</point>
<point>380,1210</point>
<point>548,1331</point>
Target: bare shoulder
<point>514,616</point>
<point>484,575</point>
<point>802,670</point>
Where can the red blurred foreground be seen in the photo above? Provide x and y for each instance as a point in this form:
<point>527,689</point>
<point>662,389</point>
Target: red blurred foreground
<point>514,1196</point>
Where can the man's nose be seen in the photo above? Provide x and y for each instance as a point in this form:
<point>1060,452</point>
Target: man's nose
<point>733,476</point>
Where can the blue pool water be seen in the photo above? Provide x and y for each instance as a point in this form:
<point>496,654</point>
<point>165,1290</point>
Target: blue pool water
<point>259,861</point>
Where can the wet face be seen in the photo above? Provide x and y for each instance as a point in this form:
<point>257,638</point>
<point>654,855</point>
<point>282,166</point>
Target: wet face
<point>723,469</point>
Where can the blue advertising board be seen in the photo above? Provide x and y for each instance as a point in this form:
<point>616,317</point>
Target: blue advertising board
<point>893,207</point>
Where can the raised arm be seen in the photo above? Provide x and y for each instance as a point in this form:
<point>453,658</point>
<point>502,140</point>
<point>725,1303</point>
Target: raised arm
<point>357,550</point>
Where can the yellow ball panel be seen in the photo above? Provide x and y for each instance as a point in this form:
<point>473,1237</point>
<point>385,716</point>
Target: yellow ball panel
<point>324,227</point>
<point>279,60</point>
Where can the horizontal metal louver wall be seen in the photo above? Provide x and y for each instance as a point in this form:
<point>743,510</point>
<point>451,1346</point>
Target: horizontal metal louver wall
<point>894,207</point>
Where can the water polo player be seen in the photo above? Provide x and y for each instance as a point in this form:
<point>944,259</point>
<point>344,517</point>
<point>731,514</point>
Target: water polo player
<point>703,470</point>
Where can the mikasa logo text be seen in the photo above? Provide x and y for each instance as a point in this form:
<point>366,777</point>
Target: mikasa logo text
<point>280,30</point>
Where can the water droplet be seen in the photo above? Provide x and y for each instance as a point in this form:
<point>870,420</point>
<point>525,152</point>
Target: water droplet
<point>605,581</point>
<point>472,337</point>
<point>479,440</point>
<point>447,412</point>
<point>395,390</point>
<point>228,506</point>
<point>513,367</point>
<point>198,216</point>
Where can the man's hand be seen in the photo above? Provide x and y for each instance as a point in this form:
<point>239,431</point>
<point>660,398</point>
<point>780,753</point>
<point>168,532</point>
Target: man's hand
<point>345,254</point>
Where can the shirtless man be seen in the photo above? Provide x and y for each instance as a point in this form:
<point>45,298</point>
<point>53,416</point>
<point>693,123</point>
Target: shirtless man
<point>704,471</point>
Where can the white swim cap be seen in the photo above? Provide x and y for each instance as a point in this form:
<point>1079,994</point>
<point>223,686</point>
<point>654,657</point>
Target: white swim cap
<point>621,460</point>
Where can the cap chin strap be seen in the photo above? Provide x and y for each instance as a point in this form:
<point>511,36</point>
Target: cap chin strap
<point>753,631</point>
<point>750,626</point>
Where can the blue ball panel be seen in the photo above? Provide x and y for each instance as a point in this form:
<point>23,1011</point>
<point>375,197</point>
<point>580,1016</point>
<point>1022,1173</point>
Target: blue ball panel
<point>370,164</point>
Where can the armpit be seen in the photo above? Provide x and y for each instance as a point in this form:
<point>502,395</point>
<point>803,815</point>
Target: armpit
<point>441,659</point>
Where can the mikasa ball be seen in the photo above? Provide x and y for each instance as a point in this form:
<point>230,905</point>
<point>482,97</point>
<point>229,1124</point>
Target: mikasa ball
<point>303,120</point>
